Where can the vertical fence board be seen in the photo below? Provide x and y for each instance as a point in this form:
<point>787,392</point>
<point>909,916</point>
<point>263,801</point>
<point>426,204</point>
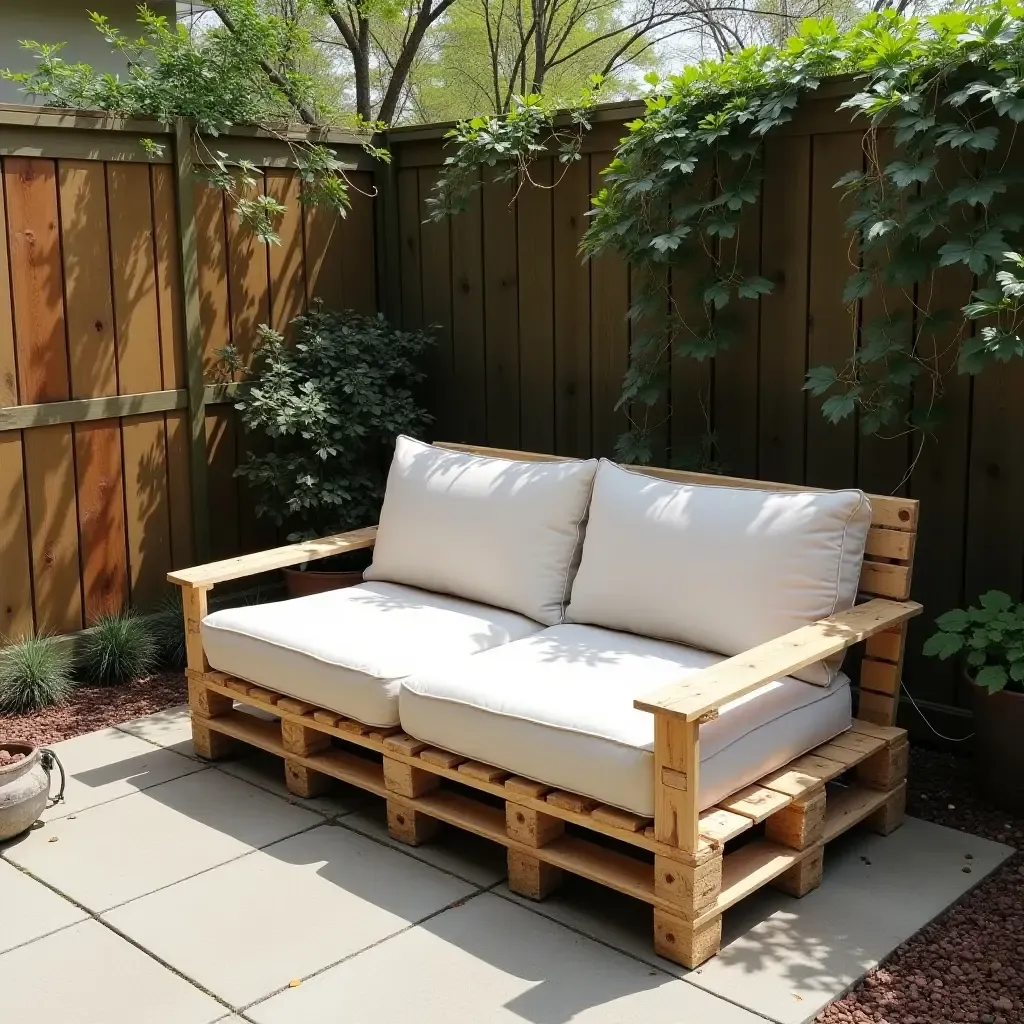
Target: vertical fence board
<point>134,263</point>
<point>179,489</point>
<point>287,261</point>
<point>101,501</point>
<point>831,327</point>
<point>358,246</point>
<point>15,579</point>
<point>36,279</point>
<point>736,369</point>
<point>223,493</point>
<point>410,268</point>
<point>147,509</point>
<point>609,335</point>
<point>53,519</point>
<point>784,244</point>
<point>211,245</point>
<point>571,201</point>
<point>8,363</point>
<point>469,414</point>
<point>168,280</point>
<point>536,312</point>
<point>248,285</point>
<point>435,239</point>
<point>85,246</point>
<point>501,312</point>
<point>324,257</point>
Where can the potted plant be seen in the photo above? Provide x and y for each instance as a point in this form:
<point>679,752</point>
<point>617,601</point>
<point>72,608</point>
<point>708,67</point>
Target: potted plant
<point>989,637</point>
<point>324,410</point>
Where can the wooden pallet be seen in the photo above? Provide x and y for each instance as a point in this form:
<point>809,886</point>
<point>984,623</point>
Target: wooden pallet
<point>857,776</point>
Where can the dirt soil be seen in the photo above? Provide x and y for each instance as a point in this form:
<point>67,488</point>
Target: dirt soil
<point>96,707</point>
<point>967,965</point>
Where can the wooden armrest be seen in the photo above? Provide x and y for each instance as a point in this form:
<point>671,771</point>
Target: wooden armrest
<point>276,558</point>
<point>711,688</point>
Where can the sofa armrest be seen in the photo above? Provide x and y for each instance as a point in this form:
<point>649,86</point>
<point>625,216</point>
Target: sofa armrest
<point>705,691</point>
<point>205,576</point>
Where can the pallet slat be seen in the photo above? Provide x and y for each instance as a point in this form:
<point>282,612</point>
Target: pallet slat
<point>756,802</point>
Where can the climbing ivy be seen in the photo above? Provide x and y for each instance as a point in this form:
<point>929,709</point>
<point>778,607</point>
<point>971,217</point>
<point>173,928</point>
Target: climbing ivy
<point>510,143</point>
<point>934,192</point>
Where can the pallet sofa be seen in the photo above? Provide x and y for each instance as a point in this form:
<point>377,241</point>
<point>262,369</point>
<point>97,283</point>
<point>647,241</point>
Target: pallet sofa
<point>628,674</point>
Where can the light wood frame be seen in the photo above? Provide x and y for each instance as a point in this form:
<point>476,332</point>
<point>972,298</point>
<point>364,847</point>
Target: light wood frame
<point>692,869</point>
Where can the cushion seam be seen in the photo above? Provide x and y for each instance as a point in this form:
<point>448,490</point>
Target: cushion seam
<point>831,671</point>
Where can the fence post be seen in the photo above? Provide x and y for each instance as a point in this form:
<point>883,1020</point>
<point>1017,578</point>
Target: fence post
<point>188,264</point>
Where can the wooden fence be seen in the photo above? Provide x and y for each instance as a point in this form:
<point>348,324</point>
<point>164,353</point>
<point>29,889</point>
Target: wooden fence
<point>116,288</point>
<point>534,342</point>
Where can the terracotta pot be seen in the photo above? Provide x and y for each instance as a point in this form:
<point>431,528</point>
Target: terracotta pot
<point>303,582</point>
<point>999,746</point>
<point>24,788</point>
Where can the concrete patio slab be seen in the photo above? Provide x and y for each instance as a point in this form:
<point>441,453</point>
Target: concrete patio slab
<point>267,771</point>
<point>248,928</point>
<point>30,910</point>
<point>109,764</point>
<point>467,856</point>
<point>124,849</point>
<point>171,729</point>
<point>492,962</point>
<point>86,974</point>
<point>785,958</point>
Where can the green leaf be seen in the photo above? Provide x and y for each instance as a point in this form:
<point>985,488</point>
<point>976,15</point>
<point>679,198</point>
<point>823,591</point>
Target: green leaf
<point>752,287</point>
<point>943,645</point>
<point>717,294</point>
<point>858,286</point>
<point>958,137</point>
<point>953,621</point>
<point>995,601</point>
<point>977,253</point>
<point>820,379</point>
<point>1017,671</point>
<point>904,174</point>
<point>976,658</point>
<point>992,677</point>
<point>838,407</point>
<point>855,178</point>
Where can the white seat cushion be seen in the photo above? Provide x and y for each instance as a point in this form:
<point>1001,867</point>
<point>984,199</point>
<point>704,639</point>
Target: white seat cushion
<point>557,707</point>
<point>347,650</point>
<point>501,532</point>
<point>718,568</point>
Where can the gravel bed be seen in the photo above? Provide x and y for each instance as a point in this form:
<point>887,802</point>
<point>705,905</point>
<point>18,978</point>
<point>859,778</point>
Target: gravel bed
<point>968,964</point>
<point>96,707</point>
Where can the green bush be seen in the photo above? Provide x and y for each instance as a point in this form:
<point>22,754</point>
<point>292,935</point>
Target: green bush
<point>324,411</point>
<point>120,648</point>
<point>169,631</point>
<point>34,673</point>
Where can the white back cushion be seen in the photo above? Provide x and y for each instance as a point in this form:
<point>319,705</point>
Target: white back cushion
<point>718,568</point>
<point>492,530</point>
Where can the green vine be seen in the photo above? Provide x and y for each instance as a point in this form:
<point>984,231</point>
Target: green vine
<point>510,143</point>
<point>952,89</point>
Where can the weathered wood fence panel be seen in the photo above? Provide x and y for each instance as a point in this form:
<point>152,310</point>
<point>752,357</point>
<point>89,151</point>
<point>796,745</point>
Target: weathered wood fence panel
<point>534,341</point>
<point>96,468</point>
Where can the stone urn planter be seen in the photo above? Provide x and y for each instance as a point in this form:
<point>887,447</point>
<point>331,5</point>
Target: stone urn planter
<point>999,745</point>
<point>24,786</point>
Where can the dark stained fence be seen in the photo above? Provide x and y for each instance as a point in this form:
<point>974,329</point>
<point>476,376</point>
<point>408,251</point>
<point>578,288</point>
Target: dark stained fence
<point>533,343</point>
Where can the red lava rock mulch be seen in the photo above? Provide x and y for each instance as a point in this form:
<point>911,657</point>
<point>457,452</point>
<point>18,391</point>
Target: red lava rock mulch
<point>96,707</point>
<point>968,965</point>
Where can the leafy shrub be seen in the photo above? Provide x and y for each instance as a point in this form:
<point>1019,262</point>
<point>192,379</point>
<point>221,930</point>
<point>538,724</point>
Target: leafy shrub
<point>169,631</point>
<point>120,648</point>
<point>35,673</point>
<point>989,637</point>
<point>329,405</point>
